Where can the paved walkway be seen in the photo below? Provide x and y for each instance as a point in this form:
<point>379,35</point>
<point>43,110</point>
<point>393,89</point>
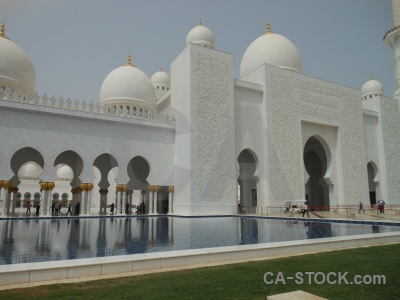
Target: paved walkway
<point>346,214</point>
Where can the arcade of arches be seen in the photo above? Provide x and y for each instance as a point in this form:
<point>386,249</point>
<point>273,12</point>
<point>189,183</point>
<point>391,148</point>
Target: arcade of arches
<point>26,191</point>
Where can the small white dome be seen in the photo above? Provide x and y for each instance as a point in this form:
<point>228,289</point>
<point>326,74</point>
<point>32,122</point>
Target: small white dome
<point>65,172</point>
<point>272,49</point>
<point>372,88</point>
<point>128,86</point>
<point>16,69</point>
<point>201,35</point>
<point>161,79</point>
<point>29,170</point>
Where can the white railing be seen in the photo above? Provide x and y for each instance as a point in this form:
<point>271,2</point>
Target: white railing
<point>8,94</point>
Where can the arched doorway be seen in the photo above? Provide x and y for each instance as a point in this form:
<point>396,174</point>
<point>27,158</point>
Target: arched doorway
<point>106,168</point>
<point>139,172</point>
<point>316,164</point>
<point>372,182</point>
<point>247,181</point>
<point>75,163</point>
<point>23,156</point>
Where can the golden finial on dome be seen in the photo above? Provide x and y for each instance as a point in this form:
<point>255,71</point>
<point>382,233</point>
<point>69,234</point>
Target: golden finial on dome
<point>129,60</point>
<point>370,77</point>
<point>201,24</point>
<point>160,68</point>
<point>2,30</point>
<point>268,28</point>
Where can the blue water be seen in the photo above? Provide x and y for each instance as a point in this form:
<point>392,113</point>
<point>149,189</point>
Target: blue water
<point>35,240</point>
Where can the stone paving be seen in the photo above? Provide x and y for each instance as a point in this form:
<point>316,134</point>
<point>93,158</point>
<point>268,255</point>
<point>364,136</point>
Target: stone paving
<point>390,215</point>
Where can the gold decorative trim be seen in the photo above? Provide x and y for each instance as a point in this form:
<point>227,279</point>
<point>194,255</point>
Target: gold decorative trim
<point>103,192</point>
<point>2,31</point>
<point>83,186</point>
<point>119,187</point>
<point>6,184</point>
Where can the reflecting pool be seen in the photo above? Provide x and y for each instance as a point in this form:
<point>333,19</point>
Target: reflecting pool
<point>34,240</point>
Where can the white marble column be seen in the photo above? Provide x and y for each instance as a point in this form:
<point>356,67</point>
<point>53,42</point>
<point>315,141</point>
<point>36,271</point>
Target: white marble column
<point>43,198</point>
<point>119,199</point>
<point>129,195</point>
<point>47,207</point>
<point>86,189</point>
<point>89,198</point>
<point>155,197</point>
<point>151,199</point>
<point>13,202</point>
<point>84,199</point>
<point>170,199</point>
<point>6,185</point>
<point>123,200</point>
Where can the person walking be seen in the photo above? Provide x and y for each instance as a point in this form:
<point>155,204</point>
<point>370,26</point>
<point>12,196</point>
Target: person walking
<point>381,206</point>
<point>28,209</point>
<point>77,208</point>
<point>305,209</point>
<point>112,208</point>
<point>361,208</point>
<point>69,210</point>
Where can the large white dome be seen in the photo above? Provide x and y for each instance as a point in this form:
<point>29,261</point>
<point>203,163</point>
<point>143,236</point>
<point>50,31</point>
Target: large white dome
<point>128,86</point>
<point>161,80</point>
<point>272,49</point>
<point>372,88</point>
<point>201,35</point>
<point>65,172</point>
<point>29,170</point>
<point>16,69</point>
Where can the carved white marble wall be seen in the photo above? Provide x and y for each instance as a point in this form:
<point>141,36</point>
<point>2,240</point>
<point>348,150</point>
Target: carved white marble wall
<point>391,138</point>
<point>295,98</point>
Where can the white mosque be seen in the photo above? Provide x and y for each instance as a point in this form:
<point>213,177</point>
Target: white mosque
<point>195,142</point>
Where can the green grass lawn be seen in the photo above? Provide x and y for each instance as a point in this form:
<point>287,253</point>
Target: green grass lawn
<point>244,280</point>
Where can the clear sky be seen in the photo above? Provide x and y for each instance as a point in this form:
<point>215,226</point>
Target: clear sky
<point>74,44</point>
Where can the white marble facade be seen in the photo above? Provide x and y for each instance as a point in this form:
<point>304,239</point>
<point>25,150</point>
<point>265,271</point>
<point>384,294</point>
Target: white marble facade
<point>182,144</point>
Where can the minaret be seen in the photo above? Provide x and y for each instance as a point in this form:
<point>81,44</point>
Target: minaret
<point>392,38</point>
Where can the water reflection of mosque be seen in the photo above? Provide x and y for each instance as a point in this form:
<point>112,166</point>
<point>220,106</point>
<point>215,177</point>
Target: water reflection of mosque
<point>24,241</point>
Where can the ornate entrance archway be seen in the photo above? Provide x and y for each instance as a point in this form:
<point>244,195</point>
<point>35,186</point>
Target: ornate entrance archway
<point>248,181</point>
<point>316,163</point>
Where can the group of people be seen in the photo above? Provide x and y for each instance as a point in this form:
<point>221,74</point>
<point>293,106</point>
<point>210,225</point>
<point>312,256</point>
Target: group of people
<point>28,209</point>
<point>56,209</point>
<point>380,205</point>
<point>140,209</point>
